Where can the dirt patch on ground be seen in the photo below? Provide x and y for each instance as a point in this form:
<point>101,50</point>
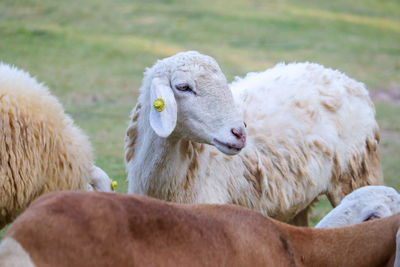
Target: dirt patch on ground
<point>390,96</point>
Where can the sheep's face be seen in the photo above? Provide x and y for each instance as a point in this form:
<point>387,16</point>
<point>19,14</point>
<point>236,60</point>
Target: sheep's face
<point>201,106</point>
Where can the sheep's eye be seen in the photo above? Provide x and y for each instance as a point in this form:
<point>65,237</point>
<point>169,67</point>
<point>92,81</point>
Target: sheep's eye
<point>183,87</point>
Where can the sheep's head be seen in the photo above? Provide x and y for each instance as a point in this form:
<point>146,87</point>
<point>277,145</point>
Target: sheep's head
<point>190,99</point>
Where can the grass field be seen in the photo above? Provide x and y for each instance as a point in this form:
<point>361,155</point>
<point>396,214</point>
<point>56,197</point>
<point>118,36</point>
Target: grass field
<point>92,53</point>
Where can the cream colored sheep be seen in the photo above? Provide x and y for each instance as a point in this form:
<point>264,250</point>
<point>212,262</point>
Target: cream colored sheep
<point>311,131</point>
<point>41,149</point>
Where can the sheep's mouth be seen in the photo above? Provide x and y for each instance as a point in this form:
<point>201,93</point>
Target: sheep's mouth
<point>228,148</point>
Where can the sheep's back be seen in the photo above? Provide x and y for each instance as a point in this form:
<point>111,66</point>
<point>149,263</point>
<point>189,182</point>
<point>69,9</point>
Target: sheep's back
<point>310,130</point>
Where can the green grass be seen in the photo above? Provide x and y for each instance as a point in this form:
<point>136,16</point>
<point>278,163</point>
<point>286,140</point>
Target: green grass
<point>92,53</point>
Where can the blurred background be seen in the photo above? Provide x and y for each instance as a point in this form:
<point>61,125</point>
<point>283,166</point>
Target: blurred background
<point>92,54</point>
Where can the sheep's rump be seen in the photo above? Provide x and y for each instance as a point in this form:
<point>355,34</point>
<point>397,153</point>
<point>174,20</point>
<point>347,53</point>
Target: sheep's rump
<point>40,148</point>
<point>310,129</point>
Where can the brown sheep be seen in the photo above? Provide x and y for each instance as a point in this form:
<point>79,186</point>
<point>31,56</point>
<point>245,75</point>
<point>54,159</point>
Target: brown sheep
<point>105,229</point>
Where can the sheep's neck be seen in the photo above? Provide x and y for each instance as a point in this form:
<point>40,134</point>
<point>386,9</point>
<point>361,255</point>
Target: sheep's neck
<point>169,162</point>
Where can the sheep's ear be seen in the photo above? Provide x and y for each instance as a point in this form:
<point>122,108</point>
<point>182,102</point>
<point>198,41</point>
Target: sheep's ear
<point>163,114</point>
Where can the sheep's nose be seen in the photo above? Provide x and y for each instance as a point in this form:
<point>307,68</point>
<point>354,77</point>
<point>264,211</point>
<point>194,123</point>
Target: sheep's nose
<point>240,134</point>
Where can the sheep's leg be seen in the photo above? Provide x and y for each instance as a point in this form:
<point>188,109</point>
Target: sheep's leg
<point>335,199</point>
<point>2,224</point>
<point>7,217</point>
<point>3,219</point>
<point>301,218</point>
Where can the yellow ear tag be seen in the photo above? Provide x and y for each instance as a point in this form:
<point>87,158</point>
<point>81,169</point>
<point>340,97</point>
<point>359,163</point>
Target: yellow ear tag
<point>114,184</point>
<point>159,104</point>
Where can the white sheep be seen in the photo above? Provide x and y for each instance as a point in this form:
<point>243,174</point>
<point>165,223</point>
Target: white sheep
<point>311,131</point>
<point>41,149</point>
<point>364,204</point>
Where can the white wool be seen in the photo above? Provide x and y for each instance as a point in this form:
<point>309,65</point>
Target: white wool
<point>276,90</point>
<point>310,131</point>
